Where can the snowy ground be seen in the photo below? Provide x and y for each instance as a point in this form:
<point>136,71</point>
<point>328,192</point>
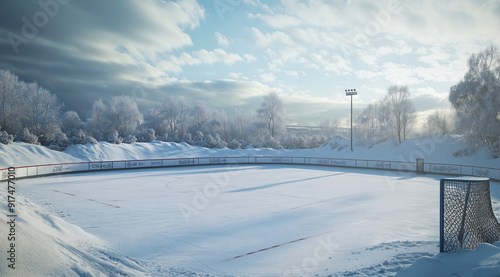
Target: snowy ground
<point>253,220</point>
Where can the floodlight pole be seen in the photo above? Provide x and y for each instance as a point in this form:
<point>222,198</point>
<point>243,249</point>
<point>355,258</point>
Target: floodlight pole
<point>351,122</point>
<point>351,92</point>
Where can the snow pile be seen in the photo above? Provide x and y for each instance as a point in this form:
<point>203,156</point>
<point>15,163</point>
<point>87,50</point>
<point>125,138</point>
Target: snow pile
<point>21,154</point>
<point>105,151</point>
<point>484,261</point>
<point>435,149</point>
<point>46,245</point>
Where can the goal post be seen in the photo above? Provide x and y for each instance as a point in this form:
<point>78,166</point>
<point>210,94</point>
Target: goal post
<point>466,215</point>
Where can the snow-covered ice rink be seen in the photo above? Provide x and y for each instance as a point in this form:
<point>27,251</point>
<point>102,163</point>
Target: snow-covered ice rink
<point>258,220</point>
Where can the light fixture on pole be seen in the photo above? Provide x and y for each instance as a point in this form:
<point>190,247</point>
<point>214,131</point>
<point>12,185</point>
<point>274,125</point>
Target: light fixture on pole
<point>351,92</point>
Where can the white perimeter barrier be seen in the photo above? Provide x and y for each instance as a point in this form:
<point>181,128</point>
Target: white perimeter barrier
<point>448,169</point>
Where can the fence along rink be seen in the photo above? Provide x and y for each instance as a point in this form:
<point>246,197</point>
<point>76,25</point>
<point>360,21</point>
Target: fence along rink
<point>466,214</point>
<point>467,218</point>
<point>40,170</point>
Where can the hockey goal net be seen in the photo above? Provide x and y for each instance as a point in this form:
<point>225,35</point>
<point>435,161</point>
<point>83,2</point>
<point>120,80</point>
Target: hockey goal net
<point>467,217</point>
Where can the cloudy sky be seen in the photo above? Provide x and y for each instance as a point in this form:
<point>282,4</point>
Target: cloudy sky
<point>232,52</point>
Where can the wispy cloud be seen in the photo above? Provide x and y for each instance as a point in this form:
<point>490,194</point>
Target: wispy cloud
<point>222,41</point>
<point>99,49</point>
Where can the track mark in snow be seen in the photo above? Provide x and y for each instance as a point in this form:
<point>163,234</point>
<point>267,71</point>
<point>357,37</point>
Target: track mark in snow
<point>284,183</point>
<point>90,199</point>
<point>305,205</point>
<point>167,185</point>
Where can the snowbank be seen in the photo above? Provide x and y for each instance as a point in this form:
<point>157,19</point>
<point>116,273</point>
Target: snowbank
<point>46,245</point>
<point>21,154</point>
<point>484,261</point>
<point>435,149</point>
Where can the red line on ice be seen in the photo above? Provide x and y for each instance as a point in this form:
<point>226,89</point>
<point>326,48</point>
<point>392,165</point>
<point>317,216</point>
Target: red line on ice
<point>277,245</point>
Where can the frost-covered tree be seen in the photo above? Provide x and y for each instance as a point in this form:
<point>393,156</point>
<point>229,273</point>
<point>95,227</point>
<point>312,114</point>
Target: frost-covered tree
<point>170,110</point>
<point>316,141</point>
<point>357,124</point>
<point>210,141</point>
<point>124,115</point>
<point>78,136</point>
<point>289,141</point>
<point>28,137</point>
<point>401,111</point>
<point>371,121</point>
<point>12,106</point>
<point>476,100</point>
<point>147,135</point>
<point>201,115</point>
<point>292,141</point>
<point>187,138</point>
<point>220,124</point>
<point>219,143</point>
<point>121,115</point>
<point>71,121</point>
<point>328,127</point>
<point>301,143</point>
<point>130,139</point>
<point>164,137</point>
<point>199,139</point>
<point>183,109</point>
<point>164,117</point>
<point>42,112</point>
<point>271,114</point>
<point>155,119</point>
<point>98,123</point>
<point>234,144</point>
<point>384,118</point>
<point>239,124</point>
<point>6,138</point>
<point>271,142</point>
<point>174,137</point>
<point>59,142</point>
<point>258,133</point>
<point>114,137</point>
<point>439,123</point>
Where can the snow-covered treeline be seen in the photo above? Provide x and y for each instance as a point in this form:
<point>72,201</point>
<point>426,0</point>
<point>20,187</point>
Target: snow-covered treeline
<point>475,100</point>
<point>393,117</point>
<point>32,114</point>
<point>28,112</point>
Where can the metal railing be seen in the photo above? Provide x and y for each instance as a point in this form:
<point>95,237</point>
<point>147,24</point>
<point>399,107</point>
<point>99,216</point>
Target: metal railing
<point>437,168</point>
